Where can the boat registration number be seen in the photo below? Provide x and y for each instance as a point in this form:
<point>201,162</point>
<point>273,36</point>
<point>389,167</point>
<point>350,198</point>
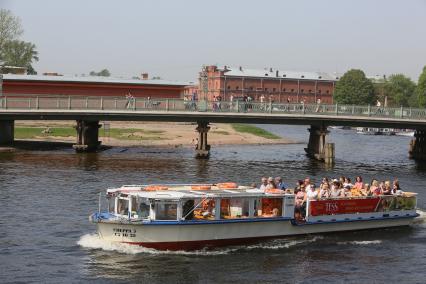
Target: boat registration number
<point>119,232</point>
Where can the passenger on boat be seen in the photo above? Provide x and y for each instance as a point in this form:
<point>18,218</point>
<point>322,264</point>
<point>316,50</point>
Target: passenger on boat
<point>347,182</point>
<point>396,189</point>
<point>311,193</point>
<point>387,190</point>
<point>279,183</point>
<point>300,202</point>
<point>382,186</point>
<point>324,191</point>
<point>366,190</point>
<point>374,188</point>
<point>325,181</point>
<point>356,192</point>
<point>307,183</point>
<point>264,183</point>
<point>336,190</point>
<point>271,183</point>
<point>347,191</point>
<point>358,182</point>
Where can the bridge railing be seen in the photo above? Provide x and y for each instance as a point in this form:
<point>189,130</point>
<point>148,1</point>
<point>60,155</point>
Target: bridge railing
<point>144,104</point>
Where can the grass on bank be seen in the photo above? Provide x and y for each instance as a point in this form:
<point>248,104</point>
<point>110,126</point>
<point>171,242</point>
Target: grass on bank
<point>123,134</point>
<point>247,128</point>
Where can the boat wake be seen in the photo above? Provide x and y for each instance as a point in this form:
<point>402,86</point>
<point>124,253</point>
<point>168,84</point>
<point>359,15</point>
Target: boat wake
<point>360,243</point>
<point>93,241</point>
<point>421,220</point>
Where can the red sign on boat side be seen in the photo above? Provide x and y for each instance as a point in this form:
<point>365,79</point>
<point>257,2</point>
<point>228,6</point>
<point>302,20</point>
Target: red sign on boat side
<point>343,206</point>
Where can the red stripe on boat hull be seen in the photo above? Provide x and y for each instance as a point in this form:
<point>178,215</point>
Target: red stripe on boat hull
<point>196,245</point>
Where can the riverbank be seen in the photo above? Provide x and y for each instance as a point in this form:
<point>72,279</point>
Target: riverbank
<point>165,134</point>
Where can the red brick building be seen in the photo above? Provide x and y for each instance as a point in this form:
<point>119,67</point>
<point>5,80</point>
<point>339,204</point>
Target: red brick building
<point>277,85</point>
<point>91,86</point>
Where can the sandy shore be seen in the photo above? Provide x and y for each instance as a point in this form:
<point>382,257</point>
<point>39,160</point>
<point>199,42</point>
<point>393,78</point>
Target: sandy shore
<point>172,134</point>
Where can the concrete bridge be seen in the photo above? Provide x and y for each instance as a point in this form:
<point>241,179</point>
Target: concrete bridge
<point>88,111</point>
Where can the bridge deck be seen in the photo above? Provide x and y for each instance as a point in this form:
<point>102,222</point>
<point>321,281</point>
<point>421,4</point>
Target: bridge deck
<point>119,109</point>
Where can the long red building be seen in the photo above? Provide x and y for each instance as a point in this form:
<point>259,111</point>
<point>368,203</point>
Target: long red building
<point>91,86</point>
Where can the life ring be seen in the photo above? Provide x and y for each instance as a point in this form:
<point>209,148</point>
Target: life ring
<point>227,185</point>
<point>156,187</point>
<point>201,187</point>
<point>274,191</point>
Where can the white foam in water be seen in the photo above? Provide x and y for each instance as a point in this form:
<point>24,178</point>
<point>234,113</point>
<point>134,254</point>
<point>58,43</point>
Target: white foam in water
<point>361,243</point>
<point>421,219</point>
<point>93,241</point>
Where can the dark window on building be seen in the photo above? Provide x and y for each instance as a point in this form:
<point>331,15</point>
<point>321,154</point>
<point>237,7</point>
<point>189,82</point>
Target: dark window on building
<point>229,87</point>
<point>302,90</point>
<point>266,74</point>
<point>310,91</point>
<point>283,89</point>
<point>303,76</point>
<point>236,88</point>
<point>327,91</point>
<point>292,90</point>
<point>319,91</point>
<point>251,88</point>
<point>274,89</point>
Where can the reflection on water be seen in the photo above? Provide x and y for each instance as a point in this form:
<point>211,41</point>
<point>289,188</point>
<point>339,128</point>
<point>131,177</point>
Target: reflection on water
<point>46,197</point>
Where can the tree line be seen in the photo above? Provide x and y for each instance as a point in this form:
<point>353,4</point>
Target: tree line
<point>395,91</point>
<point>13,50</point>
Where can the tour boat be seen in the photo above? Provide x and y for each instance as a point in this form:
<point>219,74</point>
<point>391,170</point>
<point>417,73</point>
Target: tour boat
<point>196,216</point>
<point>375,131</point>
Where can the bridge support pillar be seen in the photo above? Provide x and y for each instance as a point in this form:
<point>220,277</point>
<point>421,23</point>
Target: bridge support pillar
<point>418,146</point>
<point>87,136</point>
<point>202,150</point>
<point>316,144</point>
<point>7,131</point>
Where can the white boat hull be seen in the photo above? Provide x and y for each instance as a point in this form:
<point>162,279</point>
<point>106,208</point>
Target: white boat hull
<point>177,236</point>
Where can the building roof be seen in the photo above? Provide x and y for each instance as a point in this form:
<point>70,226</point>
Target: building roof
<point>92,79</point>
<point>267,73</point>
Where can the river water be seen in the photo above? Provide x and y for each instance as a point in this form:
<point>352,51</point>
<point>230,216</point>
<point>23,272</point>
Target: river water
<point>46,197</point>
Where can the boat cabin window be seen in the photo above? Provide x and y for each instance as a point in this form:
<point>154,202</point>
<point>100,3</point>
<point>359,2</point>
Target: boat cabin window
<point>142,208</point>
<point>111,203</point>
<point>204,209</point>
<point>231,208</point>
<point>166,211</point>
<point>269,207</point>
<point>123,206</point>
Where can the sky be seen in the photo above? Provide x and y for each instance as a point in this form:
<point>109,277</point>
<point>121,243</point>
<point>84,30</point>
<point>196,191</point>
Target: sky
<point>174,39</point>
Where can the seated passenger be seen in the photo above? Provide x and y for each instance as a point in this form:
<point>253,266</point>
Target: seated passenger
<point>312,193</point>
<point>324,191</point>
<point>347,182</point>
<point>387,190</point>
<point>358,182</point>
<point>264,183</point>
<point>374,188</point>
<point>396,189</point>
<point>356,192</point>
<point>347,191</point>
<point>280,184</point>
<point>336,190</point>
<point>366,190</point>
<point>271,183</point>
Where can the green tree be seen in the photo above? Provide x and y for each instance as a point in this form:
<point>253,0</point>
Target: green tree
<point>20,53</point>
<point>10,28</point>
<point>354,88</point>
<point>103,72</point>
<point>421,89</point>
<point>399,90</point>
